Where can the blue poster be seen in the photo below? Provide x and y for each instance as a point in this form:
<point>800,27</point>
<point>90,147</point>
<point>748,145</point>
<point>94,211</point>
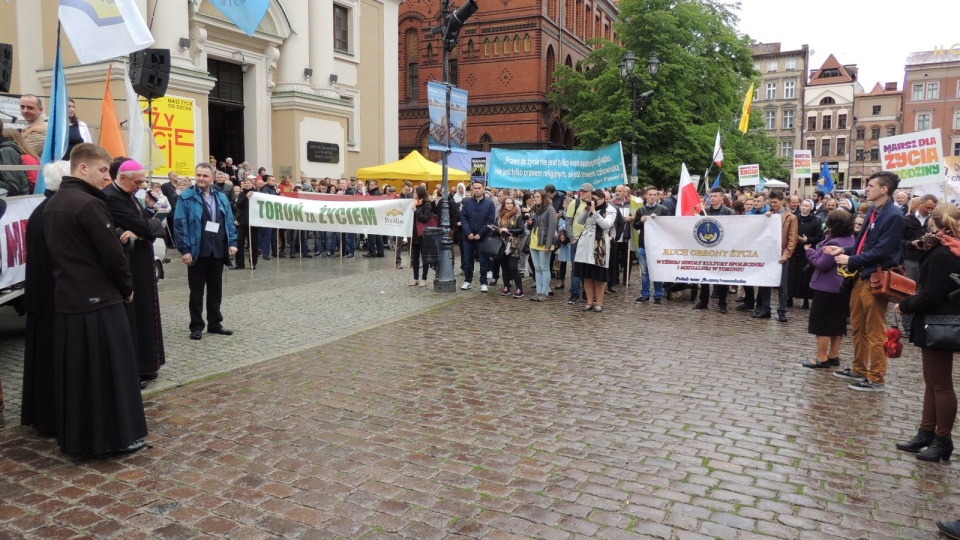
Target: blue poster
<point>567,170</point>
<point>437,105</point>
<point>458,119</point>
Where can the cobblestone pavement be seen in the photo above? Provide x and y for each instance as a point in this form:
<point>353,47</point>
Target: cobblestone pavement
<point>489,417</point>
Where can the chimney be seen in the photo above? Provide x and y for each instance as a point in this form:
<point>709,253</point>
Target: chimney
<point>890,86</point>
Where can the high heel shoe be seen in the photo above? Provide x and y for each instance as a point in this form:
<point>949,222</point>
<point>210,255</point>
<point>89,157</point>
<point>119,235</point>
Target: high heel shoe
<point>921,440</point>
<point>939,449</point>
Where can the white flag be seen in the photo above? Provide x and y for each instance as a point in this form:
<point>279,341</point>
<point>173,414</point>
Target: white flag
<point>103,29</point>
<point>717,151</point>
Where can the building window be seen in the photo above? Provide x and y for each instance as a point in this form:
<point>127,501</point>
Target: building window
<point>526,43</point>
<point>875,132</point>
<point>413,81</point>
<point>891,131</point>
<point>956,120</point>
<point>876,110</point>
<point>486,46</point>
<point>812,146</point>
<point>825,147</point>
<point>827,122</point>
<point>841,147</point>
<point>933,90</point>
<point>791,64</point>
<point>772,65</point>
<point>756,92</point>
<point>861,133</point>
<point>841,121</point>
<point>786,149</point>
<point>771,90</point>
<point>453,70</point>
<point>956,148</point>
<point>811,123</point>
<point>861,155</point>
<point>789,89</point>
<point>923,121</point>
<point>496,46</point>
<point>341,29</point>
<point>874,154</point>
<point>788,119</point>
<point>770,119</point>
<point>918,92</point>
<point>827,101</point>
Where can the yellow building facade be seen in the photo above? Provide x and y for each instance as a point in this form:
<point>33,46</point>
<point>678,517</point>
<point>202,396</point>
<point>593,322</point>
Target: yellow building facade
<point>317,74</point>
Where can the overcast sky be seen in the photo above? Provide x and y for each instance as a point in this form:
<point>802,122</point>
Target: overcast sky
<point>875,36</point>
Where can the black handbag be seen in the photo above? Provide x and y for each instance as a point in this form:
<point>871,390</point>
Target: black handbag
<point>493,246</point>
<point>941,332</point>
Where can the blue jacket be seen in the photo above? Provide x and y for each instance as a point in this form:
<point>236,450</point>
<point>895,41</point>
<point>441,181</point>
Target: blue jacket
<point>475,216</point>
<point>188,221</point>
<point>884,245</point>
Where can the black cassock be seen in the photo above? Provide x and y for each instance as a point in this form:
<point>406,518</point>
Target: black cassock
<point>144,311</point>
<point>37,408</point>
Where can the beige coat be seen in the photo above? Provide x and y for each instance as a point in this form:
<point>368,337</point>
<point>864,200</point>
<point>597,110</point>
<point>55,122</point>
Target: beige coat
<point>587,237</point>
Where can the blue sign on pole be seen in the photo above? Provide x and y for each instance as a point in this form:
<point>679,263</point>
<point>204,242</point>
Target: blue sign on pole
<point>437,105</point>
<point>567,170</point>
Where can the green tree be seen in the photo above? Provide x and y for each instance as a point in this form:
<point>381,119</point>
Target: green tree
<point>705,70</point>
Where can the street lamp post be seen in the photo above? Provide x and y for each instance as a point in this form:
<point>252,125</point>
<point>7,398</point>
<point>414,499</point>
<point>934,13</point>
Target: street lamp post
<point>627,66</point>
<point>449,30</point>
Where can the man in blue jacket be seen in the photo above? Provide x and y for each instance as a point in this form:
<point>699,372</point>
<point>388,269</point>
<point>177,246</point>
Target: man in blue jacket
<point>880,243</point>
<point>206,238</point>
<point>476,217</point>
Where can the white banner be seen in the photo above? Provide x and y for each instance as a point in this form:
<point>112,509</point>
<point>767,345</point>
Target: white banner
<point>88,21</point>
<point>714,250</point>
<point>367,215</point>
<point>13,238</point>
<point>915,157</point>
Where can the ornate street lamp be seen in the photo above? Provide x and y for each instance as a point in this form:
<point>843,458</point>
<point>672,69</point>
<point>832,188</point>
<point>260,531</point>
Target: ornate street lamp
<point>627,66</point>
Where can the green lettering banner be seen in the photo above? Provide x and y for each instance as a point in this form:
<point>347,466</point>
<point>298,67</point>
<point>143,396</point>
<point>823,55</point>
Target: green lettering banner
<point>390,217</point>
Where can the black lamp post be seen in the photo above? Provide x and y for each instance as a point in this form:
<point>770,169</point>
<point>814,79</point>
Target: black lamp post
<point>449,29</point>
<point>627,66</point>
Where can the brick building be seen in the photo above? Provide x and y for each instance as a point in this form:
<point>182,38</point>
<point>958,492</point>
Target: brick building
<point>931,96</point>
<point>779,96</point>
<point>828,111</point>
<point>505,59</point>
<point>876,114</point>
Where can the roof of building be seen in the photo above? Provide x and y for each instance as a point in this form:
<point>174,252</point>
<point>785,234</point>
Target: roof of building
<point>769,50</point>
<point>937,56</point>
<point>833,72</point>
<point>883,89</point>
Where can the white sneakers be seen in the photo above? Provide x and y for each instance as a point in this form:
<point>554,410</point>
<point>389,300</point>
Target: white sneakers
<point>483,288</point>
<point>465,286</point>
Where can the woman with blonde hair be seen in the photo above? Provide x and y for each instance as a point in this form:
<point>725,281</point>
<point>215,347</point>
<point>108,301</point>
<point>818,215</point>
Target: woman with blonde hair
<point>938,293</point>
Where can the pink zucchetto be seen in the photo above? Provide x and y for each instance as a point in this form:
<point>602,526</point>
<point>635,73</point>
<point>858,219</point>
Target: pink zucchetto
<point>130,166</point>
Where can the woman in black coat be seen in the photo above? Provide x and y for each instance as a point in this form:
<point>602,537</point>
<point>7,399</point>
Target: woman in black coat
<point>938,294</point>
<point>809,233</point>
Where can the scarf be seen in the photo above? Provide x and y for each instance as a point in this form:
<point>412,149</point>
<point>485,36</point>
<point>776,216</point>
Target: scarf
<point>941,237</point>
<point>599,244</point>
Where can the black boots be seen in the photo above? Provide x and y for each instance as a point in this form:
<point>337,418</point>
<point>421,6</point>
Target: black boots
<point>921,440</point>
<point>940,448</point>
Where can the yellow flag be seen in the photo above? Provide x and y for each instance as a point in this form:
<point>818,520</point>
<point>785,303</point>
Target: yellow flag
<point>745,114</point>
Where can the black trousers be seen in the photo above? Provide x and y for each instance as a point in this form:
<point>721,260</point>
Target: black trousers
<point>618,262</point>
<point>242,238</point>
<point>722,291</point>
<point>205,273</point>
<point>375,244</point>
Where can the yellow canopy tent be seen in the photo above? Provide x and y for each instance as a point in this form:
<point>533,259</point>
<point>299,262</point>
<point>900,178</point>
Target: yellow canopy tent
<point>415,168</point>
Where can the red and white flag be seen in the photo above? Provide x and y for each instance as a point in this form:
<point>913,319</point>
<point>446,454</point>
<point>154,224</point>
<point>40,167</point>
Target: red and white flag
<point>688,200</point>
<point>717,151</point>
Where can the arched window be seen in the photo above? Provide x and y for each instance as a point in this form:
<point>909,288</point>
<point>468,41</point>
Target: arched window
<point>486,141</point>
<point>551,65</point>
<point>486,46</point>
<point>516,43</point>
<point>496,46</point>
<point>526,43</point>
<point>827,101</point>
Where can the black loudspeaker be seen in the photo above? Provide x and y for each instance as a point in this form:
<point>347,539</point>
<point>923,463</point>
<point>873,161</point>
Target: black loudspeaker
<point>150,72</point>
<point>6,66</point>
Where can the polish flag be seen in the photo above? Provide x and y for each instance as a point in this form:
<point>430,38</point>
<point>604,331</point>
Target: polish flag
<point>688,200</point>
<point>717,151</point>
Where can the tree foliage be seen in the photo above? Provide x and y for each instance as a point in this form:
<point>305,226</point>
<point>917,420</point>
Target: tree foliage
<point>705,70</point>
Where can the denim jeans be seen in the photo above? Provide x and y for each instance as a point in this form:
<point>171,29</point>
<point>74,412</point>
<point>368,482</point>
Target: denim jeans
<point>576,283</point>
<point>471,251</point>
<point>645,278</point>
<point>297,241</point>
<point>763,296</point>
<point>541,265</point>
<point>268,241</point>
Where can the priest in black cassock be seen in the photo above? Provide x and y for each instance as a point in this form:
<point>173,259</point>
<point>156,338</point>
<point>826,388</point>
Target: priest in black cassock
<point>97,399</point>
<point>140,229</point>
<point>37,405</point>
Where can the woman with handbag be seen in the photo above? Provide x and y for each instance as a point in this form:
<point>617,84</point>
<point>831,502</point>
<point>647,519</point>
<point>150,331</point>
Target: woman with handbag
<point>831,300</point>
<point>543,230</point>
<point>936,330</point>
<point>423,217</point>
<point>510,227</point>
<point>593,249</point>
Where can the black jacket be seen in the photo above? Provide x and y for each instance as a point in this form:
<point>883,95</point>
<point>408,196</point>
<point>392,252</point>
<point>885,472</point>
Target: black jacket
<point>934,287</point>
<point>88,261</point>
<point>655,210</point>
<point>912,230</point>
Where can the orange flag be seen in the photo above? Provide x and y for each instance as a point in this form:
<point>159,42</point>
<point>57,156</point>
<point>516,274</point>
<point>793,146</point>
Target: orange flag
<point>111,137</point>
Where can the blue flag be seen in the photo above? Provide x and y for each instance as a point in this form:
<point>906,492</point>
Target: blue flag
<point>826,179</point>
<point>247,14</point>
<point>762,185</point>
<point>58,123</point>
<point>716,182</point>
